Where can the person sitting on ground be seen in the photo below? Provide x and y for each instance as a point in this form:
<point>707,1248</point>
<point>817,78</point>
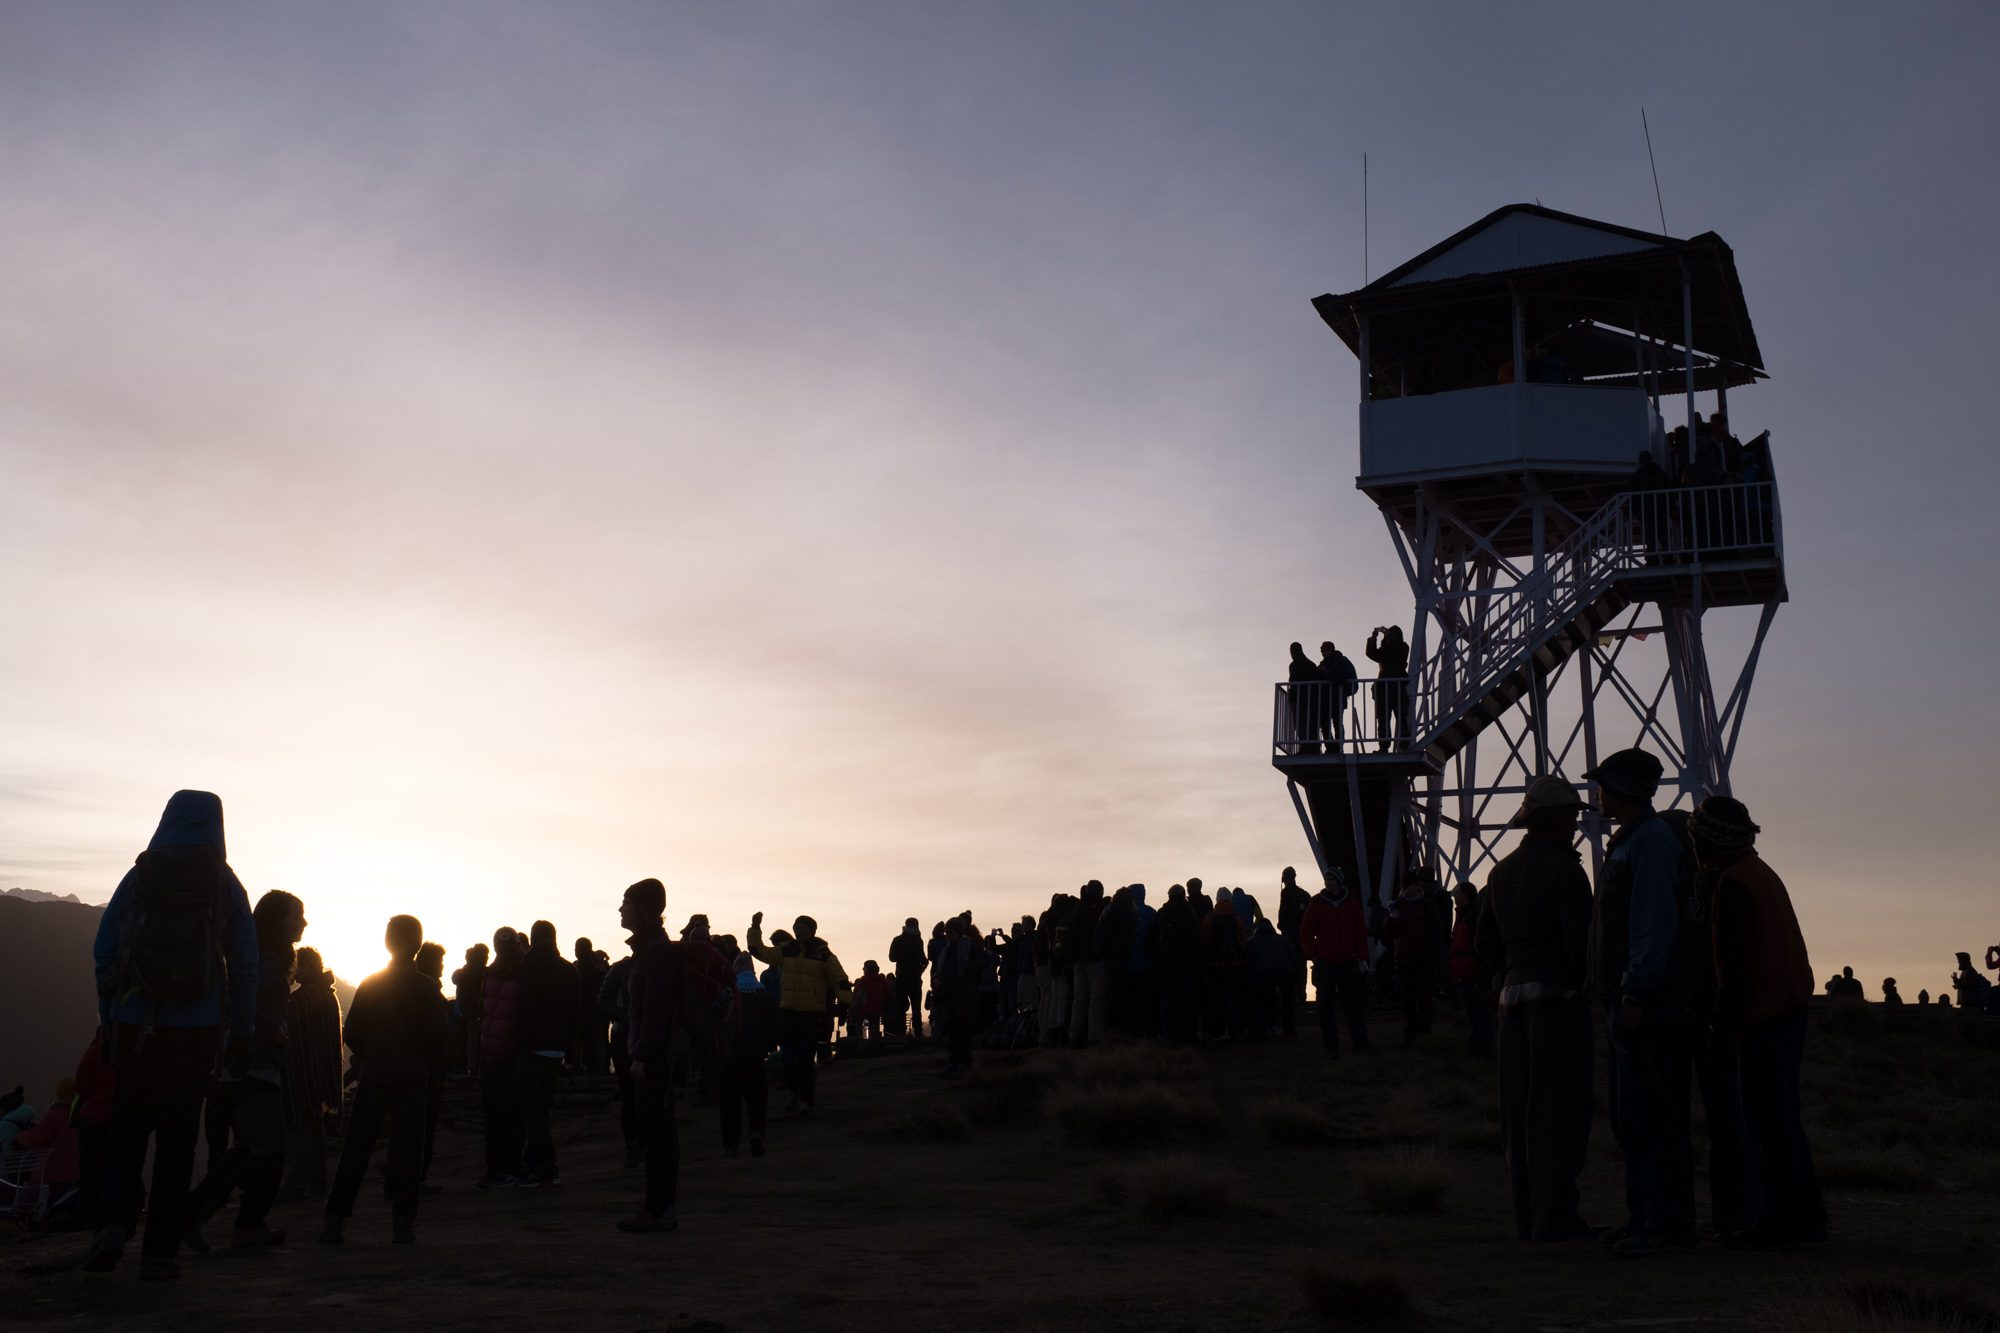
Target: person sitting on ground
<point>254,1089</point>
<point>873,996</point>
<point>14,1124</point>
<point>56,1134</point>
<point>808,973</point>
<point>396,1030</point>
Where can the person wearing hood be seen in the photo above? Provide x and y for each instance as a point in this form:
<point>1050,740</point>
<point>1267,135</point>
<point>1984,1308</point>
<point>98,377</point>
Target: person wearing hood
<point>1269,966</point>
<point>1532,931</point>
<point>255,1092</point>
<point>1411,930</point>
<point>1222,941</point>
<point>1089,986</point>
<point>810,973</point>
<point>745,1083</point>
<point>176,959</point>
<point>1334,935</point>
<point>907,957</point>
<point>396,1030</point>
<point>1763,978</point>
<point>56,1134</point>
<point>1248,910</point>
<point>312,1076</point>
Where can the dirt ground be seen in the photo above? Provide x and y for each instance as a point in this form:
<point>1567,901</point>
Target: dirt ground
<point>908,1202</point>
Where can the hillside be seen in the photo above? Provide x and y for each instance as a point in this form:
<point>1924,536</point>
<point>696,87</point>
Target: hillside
<point>1252,1185</point>
<point>47,994</point>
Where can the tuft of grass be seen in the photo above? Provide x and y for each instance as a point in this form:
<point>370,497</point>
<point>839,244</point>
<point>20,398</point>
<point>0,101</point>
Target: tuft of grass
<point>1167,1189</point>
<point>1404,1182</point>
<point>1867,1170</point>
<point>1146,1113</point>
<point>1480,1139</point>
<point>1139,1062</point>
<point>1350,1293</point>
<point>1880,1306</point>
<point>1288,1120</point>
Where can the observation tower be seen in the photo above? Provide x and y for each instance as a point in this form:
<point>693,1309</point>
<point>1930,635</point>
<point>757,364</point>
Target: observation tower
<point>1539,401</point>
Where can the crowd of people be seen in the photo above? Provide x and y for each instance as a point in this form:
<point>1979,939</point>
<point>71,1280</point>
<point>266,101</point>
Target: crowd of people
<point>214,1019</point>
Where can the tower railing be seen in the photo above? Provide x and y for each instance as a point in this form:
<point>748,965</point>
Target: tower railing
<point>1665,532</point>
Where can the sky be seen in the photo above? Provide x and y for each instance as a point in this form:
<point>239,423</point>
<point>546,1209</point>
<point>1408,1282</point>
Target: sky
<point>868,460</point>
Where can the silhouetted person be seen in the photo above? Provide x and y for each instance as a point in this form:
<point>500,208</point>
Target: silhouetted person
<point>1334,934</point>
<point>907,957</point>
<point>469,981</point>
<point>662,998</point>
<point>710,979</point>
<point>745,1082</point>
<point>1923,997</point>
<point>590,1028</point>
<point>546,1024</point>
<point>1716,1075</point>
<point>1309,701</point>
<point>1533,932</point>
<point>500,1060</point>
<point>1223,940</point>
<point>1292,903</point>
<point>1411,932</point>
<point>874,996</point>
<point>1089,986</point>
<point>1177,962</point>
<point>176,958</point>
<point>96,1090</point>
<point>1763,979</point>
<point>1468,975</point>
<point>614,1006</point>
<point>1974,991</point>
<point>1269,969</point>
<point>1343,686</point>
<point>254,1090</point>
<point>1846,986</point>
<point>1391,656</point>
<point>1890,995</point>
<point>809,974</point>
<point>955,981</point>
<point>312,1076</point>
<point>396,1030</point>
<point>430,962</point>
<point>1639,971</point>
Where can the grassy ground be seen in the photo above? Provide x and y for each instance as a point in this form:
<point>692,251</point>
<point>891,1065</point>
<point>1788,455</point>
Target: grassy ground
<point>1132,1187</point>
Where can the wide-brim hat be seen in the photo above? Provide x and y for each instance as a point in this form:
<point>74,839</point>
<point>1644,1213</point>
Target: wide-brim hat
<point>1548,792</point>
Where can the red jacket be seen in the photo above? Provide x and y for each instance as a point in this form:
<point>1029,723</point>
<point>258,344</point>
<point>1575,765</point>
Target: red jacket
<point>1335,932</point>
<point>1465,964</point>
<point>499,1001</point>
<point>95,1082</point>
<point>55,1133</point>
<point>871,995</point>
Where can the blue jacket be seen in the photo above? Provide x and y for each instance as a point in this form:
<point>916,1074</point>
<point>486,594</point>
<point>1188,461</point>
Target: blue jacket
<point>191,819</point>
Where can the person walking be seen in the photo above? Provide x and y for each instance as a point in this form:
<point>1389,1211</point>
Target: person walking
<point>396,1030</point>
<point>1763,978</point>
<point>1532,931</point>
<point>809,974</point>
<point>1639,973</point>
<point>176,959</point>
<point>1334,937</point>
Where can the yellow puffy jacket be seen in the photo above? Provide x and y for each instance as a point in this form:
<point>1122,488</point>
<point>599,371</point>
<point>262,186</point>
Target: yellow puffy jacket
<point>807,970</point>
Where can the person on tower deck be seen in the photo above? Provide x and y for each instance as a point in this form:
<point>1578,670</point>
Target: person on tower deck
<point>1469,975</point>
<point>1763,978</point>
<point>396,1029</point>
<point>1532,931</point>
<point>1089,989</point>
<point>1639,963</point>
<point>873,997</point>
<point>808,971</point>
<point>1410,930</point>
<point>312,1076</point>
<point>660,997</point>
<point>176,958</point>
<point>1177,962</point>
<point>1308,702</point>
<point>1334,939</point>
<point>1344,686</point>
<point>1292,904</point>
<point>1391,656</point>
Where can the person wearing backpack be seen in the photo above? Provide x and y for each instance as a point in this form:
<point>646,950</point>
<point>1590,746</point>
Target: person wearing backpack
<point>176,960</point>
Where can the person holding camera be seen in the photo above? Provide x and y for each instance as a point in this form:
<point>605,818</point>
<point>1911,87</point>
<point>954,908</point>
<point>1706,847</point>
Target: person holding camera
<point>1391,656</point>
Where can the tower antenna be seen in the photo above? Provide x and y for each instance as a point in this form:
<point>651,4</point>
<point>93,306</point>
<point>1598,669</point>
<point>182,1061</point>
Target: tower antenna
<point>1364,219</point>
<point>1656,170</point>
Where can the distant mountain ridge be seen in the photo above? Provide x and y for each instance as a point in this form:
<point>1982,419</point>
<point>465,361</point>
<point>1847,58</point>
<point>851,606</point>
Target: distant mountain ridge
<point>41,896</point>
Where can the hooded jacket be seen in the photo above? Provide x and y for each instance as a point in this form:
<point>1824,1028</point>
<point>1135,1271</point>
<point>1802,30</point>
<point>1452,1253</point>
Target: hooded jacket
<point>191,819</point>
